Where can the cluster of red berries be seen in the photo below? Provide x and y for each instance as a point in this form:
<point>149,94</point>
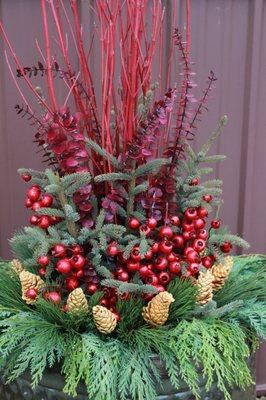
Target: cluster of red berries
<point>35,200</point>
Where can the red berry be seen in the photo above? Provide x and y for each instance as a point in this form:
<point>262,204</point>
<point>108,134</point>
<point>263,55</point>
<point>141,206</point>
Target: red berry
<point>189,235</point>
<point>202,212</point>
<point>36,205</point>
<point>123,276</point>
<point>155,247</point>
<point>133,266</point>
<point>77,261</point>
<point>34,219</point>
<point>166,247</point>
<point>164,278</point>
<point>172,257</point>
<point>208,198</point>
<point>226,247</point>
<point>47,200</point>
<point>28,202</point>
<point>92,288</point>
<point>193,268</point>
<point>148,255</point>
<point>135,254</point>
<point>76,249</point>
<point>207,261</point>
<point>32,293</point>
<point>42,272</point>
<point>160,288</point>
<point>72,283</point>
<point>145,229</point>
<point>199,223</point>
<point>178,241</point>
<point>187,250</point>
<point>152,223</point>
<point>134,223</point>
<point>117,316</point>
<point>44,222</point>
<point>152,280</point>
<point>104,302</point>
<point>55,220</point>
<point>215,224</point>
<point>43,261</point>
<point>166,231</point>
<point>175,220</point>
<point>192,256</point>
<point>79,273</point>
<point>199,245</point>
<point>203,234</point>
<point>34,193</point>
<point>26,177</point>
<point>191,213</point>
<point>144,271</point>
<point>175,267</point>
<point>63,266</point>
<point>161,263</point>
<point>53,297</point>
<point>112,250</point>
<point>188,226</point>
<point>194,182</point>
<point>59,250</point>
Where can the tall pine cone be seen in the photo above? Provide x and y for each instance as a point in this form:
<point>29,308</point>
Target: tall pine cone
<point>16,266</point>
<point>104,319</point>
<point>30,281</point>
<point>157,311</point>
<point>220,273</point>
<point>77,302</point>
<point>205,290</point>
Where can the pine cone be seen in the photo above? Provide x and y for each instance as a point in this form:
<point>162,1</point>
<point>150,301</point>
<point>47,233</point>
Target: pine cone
<point>104,319</point>
<point>205,290</point>
<point>77,302</point>
<point>16,266</point>
<point>30,281</point>
<point>157,311</point>
<point>220,273</point>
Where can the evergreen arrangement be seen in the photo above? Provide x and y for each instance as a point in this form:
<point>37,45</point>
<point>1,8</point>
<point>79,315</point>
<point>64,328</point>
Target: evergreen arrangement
<point>125,256</point>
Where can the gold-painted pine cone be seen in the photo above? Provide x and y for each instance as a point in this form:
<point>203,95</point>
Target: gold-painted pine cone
<point>16,266</point>
<point>30,281</point>
<point>156,312</point>
<point>220,273</point>
<point>104,319</point>
<point>205,289</point>
<point>77,302</point>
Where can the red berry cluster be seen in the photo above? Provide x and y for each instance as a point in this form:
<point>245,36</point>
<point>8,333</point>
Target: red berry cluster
<point>35,200</point>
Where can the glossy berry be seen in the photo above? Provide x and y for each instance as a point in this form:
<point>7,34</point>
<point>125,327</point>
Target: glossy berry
<point>165,247</point>
<point>144,271</point>
<point>172,257</point>
<point>192,256</point>
<point>199,223</point>
<point>79,273</point>
<point>191,213</point>
<point>187,250</point>
<point>32,293</point>
<point>207,262</point>
<point>43,261</point>
<point>92,288</point>
<point>199,245</point>
<point>47,200</point>
<point>152,223</point>
<point>153,280</point>
<point>104,302</point>
<point>76,249</point>
<point>189,235</point>
<point>44,222</point>
<point>112,250</point>
<point>28,202</point>
<point>133,266</point>
<point>148,255</point>
<point>188,226</point>
<point>59,250</point>
<point>194,182</point>
<point>53,297</point>
<point>34,193</point>
<point>202,212</point>
<point>135,255</point>
<point>72,283</point>
<point>226,247</point>
<point>175,267</point>
<point>134,223</point>
<point>63,266</point>
<point>77,261</point>
<point>203,234</point>
<point>123,276</point>
<point>155,247</point>
<point>178,241</point>
<point>42,272</point>
<point>216,223</point>
<point>208,198</point>
<point>145,229</point>
<point>166,231</point>
<point>161,263</point>
<point>34,219</point>
<point>193,268</point>
<point>36,205</point>
<point>26,177</point>
<point>175,220</point>
<point>164,278</point>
